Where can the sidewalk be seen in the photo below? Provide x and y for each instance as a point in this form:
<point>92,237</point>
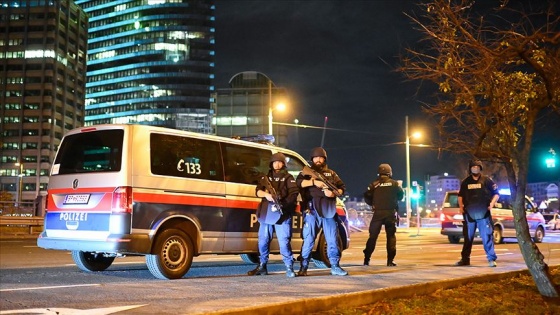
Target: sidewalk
<point>320,294</point>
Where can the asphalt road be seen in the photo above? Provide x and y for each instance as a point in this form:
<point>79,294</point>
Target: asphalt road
<point>34,280</point>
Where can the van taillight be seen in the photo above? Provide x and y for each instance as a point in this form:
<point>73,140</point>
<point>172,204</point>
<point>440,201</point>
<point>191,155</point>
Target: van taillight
<point>47,202</point>
<point>122,200</point>
<point>442,217</point>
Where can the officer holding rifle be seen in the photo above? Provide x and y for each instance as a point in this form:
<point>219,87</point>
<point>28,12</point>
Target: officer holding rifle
<point>279,193</point>
<point>319,187</point>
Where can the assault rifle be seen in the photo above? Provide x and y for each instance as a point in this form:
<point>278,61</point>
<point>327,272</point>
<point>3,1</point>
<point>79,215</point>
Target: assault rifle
<point>318,176</point>
<point>276,205</point>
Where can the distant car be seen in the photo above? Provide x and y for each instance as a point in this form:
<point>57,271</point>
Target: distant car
<point>554,222</point>
<point>502,218</point>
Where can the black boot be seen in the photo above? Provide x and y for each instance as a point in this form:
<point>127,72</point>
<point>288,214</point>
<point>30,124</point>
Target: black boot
<point>366,261</point>
<point>302,271</point>
<point>290,272</point>
<point>390,263</point>
<point>259,271</point>
<point>337,271</point>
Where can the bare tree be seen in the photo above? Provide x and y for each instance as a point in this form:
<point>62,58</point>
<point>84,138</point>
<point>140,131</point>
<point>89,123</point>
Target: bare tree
<point>497,71</point>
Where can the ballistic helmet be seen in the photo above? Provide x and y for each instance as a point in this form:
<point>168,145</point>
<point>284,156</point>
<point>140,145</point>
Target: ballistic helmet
<point>475,162</point>
<point>385,169</point>
<point>278,156</point>
<point>318,151</point>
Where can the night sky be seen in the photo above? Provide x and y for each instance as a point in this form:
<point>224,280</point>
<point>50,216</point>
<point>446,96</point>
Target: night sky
<point>337,59</point>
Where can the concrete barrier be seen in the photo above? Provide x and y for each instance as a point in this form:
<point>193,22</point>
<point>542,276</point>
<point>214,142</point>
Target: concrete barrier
<point>32,225</point>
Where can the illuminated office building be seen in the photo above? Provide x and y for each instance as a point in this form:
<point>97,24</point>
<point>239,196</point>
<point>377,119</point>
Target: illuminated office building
<point>150,62</point>
<point>43,48</point>
<point>243,108</point>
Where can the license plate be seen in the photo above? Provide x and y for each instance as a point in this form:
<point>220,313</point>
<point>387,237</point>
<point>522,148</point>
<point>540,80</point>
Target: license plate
<point>76,199</point>
<point>458,223</point>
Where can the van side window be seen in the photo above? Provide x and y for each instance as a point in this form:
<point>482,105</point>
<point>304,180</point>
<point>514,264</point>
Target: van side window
<point>89,152</point>
<point>293,165</point>
<point>504,202</point>
<point>244,164</point>
<point>185,157</point>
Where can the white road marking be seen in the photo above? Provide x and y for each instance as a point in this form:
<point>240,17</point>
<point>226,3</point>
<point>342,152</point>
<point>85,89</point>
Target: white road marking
<point>50,287</point>
<point>73,311</point>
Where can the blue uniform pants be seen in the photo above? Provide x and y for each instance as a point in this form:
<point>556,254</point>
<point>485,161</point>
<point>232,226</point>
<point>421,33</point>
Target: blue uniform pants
<point>312,222</point>
<point>284,236</point>
<point>486,230</point>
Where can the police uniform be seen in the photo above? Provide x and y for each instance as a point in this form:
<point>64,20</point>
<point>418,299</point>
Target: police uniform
<point>383,195</point>
<point>477,195</point>
<point>320,212</point>
<point>271,219</point>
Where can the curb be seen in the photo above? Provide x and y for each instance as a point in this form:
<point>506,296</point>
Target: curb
<point>18,236</point>
<point>357,299</point>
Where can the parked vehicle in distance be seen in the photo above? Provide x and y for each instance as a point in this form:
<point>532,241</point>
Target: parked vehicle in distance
<point>502,218</point>
<point>554,222</point>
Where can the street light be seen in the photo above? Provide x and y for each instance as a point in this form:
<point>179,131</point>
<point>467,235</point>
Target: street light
<point>407,145</point>
<point>270,107</point>
<point>20,183</point>
<point>280,106</point>
<point>408,190</point>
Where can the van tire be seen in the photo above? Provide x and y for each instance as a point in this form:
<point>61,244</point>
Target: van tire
<point>171,256</point>
<point>251,258</point>
<point>454,239</point>
<point>498,235</point>
<point>539,235</point>
<point>89,261</point>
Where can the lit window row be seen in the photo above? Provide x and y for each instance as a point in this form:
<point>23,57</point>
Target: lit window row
<point>174,35</point>
<point>25,159</point>
<point>25,145</point>
<point>237,120</point>
<point>12,187</point>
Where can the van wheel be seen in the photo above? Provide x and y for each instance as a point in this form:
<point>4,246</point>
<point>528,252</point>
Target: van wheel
<point>89,261</point>
<point>454,239</point>
<point>498,235</point>
<point>171,256</point>
<point>320,256</point>
<point>250,258</point>
<point>539,235</point>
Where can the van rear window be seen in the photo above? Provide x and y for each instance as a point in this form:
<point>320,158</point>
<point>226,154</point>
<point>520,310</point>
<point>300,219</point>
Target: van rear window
<point>90,152</point>
<point>453,201</point>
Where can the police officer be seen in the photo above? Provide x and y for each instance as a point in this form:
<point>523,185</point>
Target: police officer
<point>477,196</point>
<point>273,218</point>
<point>383,196</point>
<point>321,212</point>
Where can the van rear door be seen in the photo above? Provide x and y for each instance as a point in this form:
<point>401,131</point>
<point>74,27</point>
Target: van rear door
<point>87,196</point>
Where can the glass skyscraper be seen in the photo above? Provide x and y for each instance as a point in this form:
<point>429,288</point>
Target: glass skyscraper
<point>150,62</point>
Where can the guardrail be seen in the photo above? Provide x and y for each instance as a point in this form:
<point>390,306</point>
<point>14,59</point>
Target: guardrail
<point>34,224</point>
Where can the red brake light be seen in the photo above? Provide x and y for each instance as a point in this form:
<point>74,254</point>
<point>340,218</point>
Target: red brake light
<point>122,200</point>
<point>47,202</point>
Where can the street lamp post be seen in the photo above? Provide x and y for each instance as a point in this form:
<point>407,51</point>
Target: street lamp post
<point>269,107</point>
<point>408,192</point>
<point>20,183</point>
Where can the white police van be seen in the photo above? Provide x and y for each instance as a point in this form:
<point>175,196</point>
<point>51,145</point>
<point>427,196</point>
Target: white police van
<point>117,190</point>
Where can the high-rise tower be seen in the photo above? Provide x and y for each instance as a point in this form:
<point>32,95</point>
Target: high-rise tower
<point>150,62</point>
<point>43,48</point>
